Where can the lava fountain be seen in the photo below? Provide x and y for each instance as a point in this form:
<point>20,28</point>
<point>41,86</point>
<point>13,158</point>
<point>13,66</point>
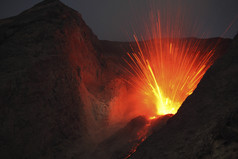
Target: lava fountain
<point>165,71</point>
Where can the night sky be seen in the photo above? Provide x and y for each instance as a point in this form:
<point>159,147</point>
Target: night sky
<point>118,19</point>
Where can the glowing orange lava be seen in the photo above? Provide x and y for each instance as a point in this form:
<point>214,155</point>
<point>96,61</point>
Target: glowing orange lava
<point>165,71</point>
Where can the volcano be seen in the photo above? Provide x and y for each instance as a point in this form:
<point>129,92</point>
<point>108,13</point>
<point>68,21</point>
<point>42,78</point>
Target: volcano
<point>63,94</point>
<point>206,124</point>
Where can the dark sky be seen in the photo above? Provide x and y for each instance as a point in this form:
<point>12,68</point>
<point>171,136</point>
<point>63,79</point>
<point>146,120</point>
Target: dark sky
<point>114,19</point>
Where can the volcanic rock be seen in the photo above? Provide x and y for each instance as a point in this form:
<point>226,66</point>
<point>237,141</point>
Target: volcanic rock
<point>49,69</point>
<point>57,80</point>
<point>122,142</point>
<point>206,125</point>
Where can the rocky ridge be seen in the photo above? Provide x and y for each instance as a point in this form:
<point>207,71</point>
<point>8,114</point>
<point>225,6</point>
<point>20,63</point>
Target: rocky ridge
<point>57,80</point>
<point>206,124</point>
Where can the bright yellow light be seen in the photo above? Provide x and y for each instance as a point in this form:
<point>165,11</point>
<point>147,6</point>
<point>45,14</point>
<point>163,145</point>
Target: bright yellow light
<point>166,71</point>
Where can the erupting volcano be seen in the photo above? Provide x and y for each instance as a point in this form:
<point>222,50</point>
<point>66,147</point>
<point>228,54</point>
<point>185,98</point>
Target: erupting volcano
<point>67,94</point>
<point>164,71</point>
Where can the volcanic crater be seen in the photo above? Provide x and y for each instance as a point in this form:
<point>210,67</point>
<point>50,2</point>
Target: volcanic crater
<point>66,94</point>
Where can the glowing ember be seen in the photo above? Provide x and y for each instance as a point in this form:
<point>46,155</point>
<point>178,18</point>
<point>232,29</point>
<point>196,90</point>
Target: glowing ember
<point>166,71</point>
<point>152,117</point>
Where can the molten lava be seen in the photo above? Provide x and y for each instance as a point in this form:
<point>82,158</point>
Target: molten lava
<point>165,71</point>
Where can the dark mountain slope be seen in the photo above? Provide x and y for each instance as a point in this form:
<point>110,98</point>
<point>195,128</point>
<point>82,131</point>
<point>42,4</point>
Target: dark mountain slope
<point>57,80</point>
<point>48,64</point>
<point>206,125</point>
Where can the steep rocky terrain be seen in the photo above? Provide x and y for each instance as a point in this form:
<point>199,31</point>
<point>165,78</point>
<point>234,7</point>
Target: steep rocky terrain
<point>206,125</point>
<point>49,69</point>
<point>57,82</point>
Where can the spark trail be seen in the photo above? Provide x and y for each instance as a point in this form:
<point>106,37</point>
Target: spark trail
<point>165,71</point>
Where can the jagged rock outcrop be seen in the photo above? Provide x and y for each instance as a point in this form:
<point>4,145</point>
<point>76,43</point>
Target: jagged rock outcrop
<point>49,68</point>
<point>124,142</point>
<point>57,80</point>
<point>206,125</point>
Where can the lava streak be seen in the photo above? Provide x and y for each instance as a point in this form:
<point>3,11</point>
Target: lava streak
<point>165,71</point>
